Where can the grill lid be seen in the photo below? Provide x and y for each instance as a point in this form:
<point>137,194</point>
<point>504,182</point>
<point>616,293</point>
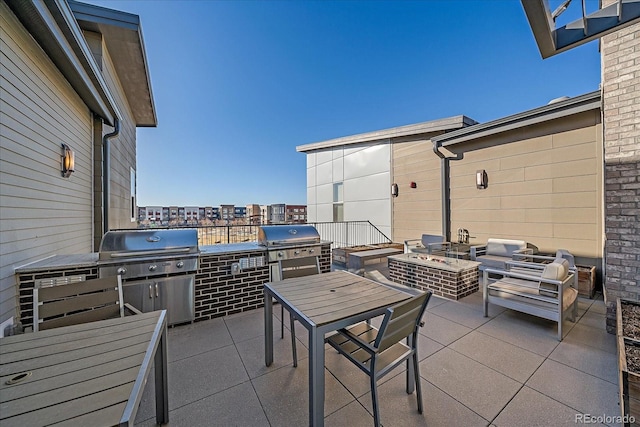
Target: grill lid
<point>279,235</point>
<point>138,243</point>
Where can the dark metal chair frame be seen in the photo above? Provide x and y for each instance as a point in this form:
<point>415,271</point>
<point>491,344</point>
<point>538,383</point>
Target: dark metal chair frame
<point>378,352</point>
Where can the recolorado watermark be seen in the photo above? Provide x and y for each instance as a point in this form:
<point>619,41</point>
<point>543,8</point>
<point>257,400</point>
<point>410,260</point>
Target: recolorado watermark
<point>604,419</point>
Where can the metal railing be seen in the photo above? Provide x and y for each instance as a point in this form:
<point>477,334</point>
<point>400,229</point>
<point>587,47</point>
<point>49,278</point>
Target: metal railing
<point>350,233</point>
<point>342,234</point>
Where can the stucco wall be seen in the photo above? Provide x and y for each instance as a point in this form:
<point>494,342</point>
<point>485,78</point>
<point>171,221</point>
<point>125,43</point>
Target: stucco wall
<point>545,187</point>
<point>416,211</point>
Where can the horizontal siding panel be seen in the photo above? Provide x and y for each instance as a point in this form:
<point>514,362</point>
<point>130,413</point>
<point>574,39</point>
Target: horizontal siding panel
<point>41,213</point>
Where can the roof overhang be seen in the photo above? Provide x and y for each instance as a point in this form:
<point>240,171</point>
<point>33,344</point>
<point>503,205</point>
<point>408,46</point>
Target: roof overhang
<point>552,40</point>
<point>122,34</point>
<point>462,139</point>
<point>440,125</point>
<point>54,27</point>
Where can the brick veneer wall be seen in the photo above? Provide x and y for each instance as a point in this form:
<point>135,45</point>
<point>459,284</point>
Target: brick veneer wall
<point>444,283</point>
<point>221,293</point>
<point>621,123</point>
<point>217,292</point>
<point>27,281</point>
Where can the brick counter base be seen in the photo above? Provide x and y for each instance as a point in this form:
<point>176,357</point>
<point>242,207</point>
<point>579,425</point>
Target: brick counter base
<point>221,293</point>
<point>444,283</point>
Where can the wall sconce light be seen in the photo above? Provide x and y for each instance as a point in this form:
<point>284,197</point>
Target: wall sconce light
<point>394,190</point>
<point>482,180</point>
<point>68,161</point>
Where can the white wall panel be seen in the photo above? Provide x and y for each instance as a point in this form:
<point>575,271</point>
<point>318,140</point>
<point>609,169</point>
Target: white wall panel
<point>338,152</point>
<point>324,157</point>
<point>373,187</point>
<point>338,169</point>
<point>324,193</point>
<point>324,212</point>
<point>312,213</point>
<point>324,173</point>
<point>373,160</point>
<point>311,160</point>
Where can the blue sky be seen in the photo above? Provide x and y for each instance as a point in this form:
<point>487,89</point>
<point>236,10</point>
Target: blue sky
<point>239,84</point>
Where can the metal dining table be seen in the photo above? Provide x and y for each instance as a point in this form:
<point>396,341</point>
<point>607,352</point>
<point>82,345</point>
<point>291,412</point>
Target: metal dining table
<point>88,374</point>
<point>324,303</point>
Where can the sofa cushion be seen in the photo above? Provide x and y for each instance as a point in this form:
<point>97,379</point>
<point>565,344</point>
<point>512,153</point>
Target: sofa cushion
<point>492,261</point>
<point>504,247</point>
<point>557,270</point>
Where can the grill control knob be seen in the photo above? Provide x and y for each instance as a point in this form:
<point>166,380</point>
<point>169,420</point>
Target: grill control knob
<point>180,264</point>
<point>296,252</point>
<point>153,267</point>
<point>312,251</point>
<point>280,254</point>
<point>121,271</point>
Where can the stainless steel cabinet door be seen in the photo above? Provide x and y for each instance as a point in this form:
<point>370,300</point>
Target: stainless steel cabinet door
<point>140,295</point>
<point>176,295</point>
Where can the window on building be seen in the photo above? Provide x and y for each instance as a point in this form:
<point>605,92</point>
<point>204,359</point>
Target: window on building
<point>338,209</point>
<point>338,212</point>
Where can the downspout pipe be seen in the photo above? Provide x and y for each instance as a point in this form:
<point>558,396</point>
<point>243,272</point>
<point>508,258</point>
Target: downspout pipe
<point>445,189</point>
<point>106,173</point>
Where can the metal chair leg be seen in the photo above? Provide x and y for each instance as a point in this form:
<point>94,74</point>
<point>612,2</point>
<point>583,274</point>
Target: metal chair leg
<point>416,371</point>
<point>281,321</point>
<point>374,400</point>
<point>293,341</point>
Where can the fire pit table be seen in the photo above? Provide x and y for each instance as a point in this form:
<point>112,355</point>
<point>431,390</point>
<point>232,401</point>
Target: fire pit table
<point>446,277</point>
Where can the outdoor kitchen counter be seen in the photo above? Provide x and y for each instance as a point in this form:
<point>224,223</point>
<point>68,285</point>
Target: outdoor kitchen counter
<point>56,262</point>
<point>230,248</point>
<point>446,277</point>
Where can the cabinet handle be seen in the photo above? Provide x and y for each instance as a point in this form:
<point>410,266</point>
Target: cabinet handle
<point>157,290</point>
<point>150,292</point>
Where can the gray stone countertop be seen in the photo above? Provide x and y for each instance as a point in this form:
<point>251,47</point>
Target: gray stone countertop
<point>231,247</point>
<point>434,261</point>
<point>61,261</point>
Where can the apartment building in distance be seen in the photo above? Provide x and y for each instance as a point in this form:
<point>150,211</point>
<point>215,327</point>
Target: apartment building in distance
<point>252,214</point>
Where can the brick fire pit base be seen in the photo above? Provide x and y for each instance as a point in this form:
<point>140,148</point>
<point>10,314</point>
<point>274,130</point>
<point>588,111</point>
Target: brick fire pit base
<point>445,277</point>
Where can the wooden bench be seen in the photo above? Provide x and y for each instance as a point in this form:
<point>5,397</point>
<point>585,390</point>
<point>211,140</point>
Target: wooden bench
<point>357,259</point>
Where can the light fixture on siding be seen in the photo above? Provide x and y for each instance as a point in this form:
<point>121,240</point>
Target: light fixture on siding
<point>68,161</point>
<point>482,179</point>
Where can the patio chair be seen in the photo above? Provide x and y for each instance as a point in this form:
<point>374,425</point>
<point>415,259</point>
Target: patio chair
<point>78,302</point>
<point>429,244</point>
<point>378,352</point>
<point>295,267</point>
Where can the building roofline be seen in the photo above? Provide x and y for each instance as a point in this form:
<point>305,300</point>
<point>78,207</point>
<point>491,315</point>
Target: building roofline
<point>122,34</point>
<point>570,106</point>
<point>445,124</point>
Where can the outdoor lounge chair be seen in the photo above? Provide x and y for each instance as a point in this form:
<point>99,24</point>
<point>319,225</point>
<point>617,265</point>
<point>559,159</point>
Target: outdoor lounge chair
<point>429,244</point>
<point>547,293</point>
<point>295,267</point>
<point>378,352</point>
<point>78,302</point>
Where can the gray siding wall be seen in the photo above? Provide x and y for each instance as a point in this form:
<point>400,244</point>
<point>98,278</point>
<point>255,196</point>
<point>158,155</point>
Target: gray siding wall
<point>123,152</point>
<point>41,213</point>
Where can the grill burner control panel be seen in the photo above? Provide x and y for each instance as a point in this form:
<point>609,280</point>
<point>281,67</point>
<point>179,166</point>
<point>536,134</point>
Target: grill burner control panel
<point>279,254</point>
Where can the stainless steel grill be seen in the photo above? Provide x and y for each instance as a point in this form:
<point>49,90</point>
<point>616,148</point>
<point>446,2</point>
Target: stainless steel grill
<point>157,268</point>
<point>284,242</point>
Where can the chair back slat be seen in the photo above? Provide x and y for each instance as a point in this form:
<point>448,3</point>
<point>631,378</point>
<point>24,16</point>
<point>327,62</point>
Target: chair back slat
<point>299,267</point>
<point>106,312</point>
<point>401,320</point>
<point>79,302</point>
